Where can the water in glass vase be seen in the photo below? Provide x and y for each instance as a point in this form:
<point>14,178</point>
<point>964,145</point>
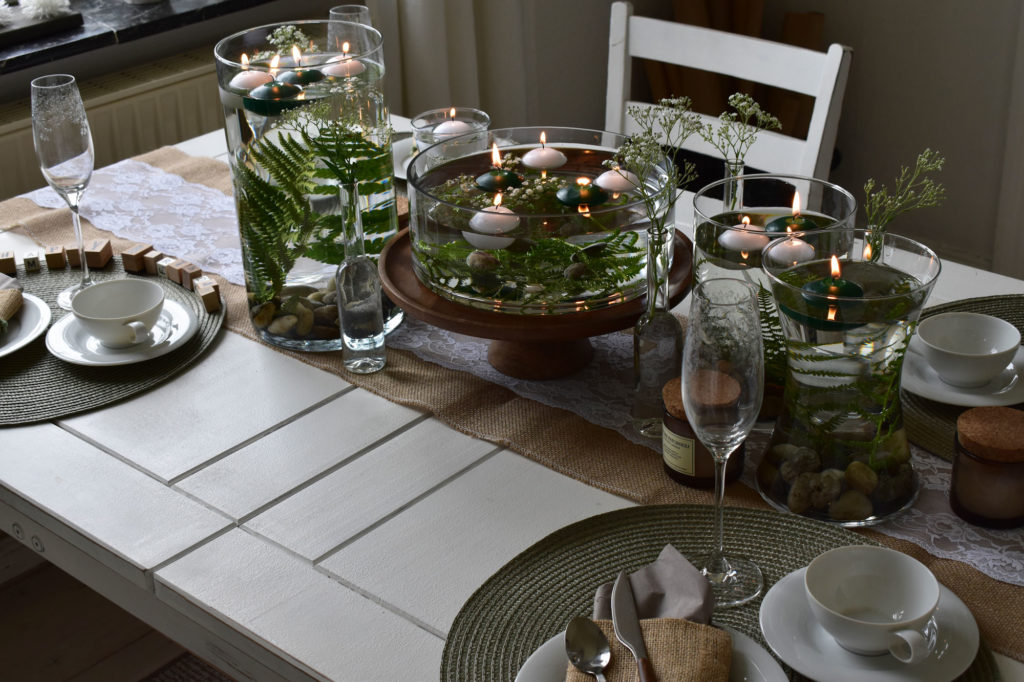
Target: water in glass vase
<point>362,322</point>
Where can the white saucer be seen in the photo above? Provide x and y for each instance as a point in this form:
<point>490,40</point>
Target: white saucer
<point>30,322</point>
<point>750,662</point>
<point>920,379</point>
<point>794,635</point>
<point>69,342</point>
<point>402,151</point>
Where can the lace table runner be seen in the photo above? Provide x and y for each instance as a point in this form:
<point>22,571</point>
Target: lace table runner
<point>137,201</point>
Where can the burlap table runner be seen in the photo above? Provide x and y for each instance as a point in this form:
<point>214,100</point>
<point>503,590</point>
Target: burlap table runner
<point>556,438</point>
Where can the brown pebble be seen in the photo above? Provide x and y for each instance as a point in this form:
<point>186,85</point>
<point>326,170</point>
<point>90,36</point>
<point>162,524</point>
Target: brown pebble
<point>993,433</point>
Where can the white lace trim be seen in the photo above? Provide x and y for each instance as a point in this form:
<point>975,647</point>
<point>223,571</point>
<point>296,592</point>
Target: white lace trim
<point>140,202</point>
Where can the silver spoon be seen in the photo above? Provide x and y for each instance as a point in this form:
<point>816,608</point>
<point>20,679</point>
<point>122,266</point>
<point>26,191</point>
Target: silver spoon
<point>587,647</point>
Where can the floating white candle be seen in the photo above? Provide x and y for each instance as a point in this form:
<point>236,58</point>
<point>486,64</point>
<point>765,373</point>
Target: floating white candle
<point>342,65</point>
<point>617,180</point>
<point>247,79</point>
<point>494,221</point>
<point>745,237</point>
<point>451,127</point>
<point>544,157</point>
<point>793,250</point>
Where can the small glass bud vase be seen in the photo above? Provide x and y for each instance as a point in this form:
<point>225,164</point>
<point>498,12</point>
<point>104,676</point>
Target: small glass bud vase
<point>732,187</point>
<point>360,311</point>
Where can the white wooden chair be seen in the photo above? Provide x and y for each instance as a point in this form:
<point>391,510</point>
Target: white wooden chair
<point>822,75</point>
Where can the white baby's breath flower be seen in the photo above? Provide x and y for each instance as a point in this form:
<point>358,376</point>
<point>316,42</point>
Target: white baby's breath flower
<point>44,9</point>
<point>6,14</point>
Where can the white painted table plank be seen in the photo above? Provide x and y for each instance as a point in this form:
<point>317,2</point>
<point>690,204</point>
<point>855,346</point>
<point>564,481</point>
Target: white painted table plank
<point>232,394</point>
<point>124,511</point>
<point>283,603</point>
<point>281,461</point>
<point>368,489</point>
<point>430,558</point>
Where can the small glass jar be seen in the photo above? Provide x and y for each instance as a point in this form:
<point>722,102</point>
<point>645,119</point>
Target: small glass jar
<point>987,485</point>
<point>685,458</point>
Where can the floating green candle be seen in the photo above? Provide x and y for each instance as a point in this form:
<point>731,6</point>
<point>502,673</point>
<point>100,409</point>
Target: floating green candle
<point>498,179</point>
<point>298,75</point>
<point>582,194</point>
<point>791,223</point>
<point>832,287</point>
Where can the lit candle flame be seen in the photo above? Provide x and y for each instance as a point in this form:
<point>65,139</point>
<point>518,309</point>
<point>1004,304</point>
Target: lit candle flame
<point>275,61</point>
<point>296,55</point>
<point>451,114</point>
<point>789,230</point>
<point>344,49</point>
<point>832,310</point>
<point>543,139</point>
<point>495,156</point>
<point>245,62</point>
<point>796,203</point>
<point>867,251</point>
<point>835,267</point>
<point>746,223</point>
<point>497,200</point>
<point>744,255</point>
<point>582,182</point>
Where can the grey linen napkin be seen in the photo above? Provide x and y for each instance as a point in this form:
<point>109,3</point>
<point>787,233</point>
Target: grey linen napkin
<point>668,588</point>
<point>10,283</point>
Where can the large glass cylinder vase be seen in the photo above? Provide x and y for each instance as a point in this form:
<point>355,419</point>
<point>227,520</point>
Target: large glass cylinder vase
<point>735,218</point>
<point>848,305</point>
<point>304,114</point>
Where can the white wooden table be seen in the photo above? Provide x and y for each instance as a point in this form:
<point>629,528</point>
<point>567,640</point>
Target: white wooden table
<point>280,522</point>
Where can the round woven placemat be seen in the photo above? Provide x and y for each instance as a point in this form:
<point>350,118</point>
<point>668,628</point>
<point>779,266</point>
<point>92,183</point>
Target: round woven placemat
<point>931,424</point>
<point>531,598</point>
<point>38,386</point>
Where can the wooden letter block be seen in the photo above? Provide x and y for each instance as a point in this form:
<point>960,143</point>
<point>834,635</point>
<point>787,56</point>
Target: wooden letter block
<point>163,266</point>
<point>150,260</point>
<point>7,264</point>
<point>174,270</point>
<point>189,274</point>
<point>98,253</point>
<point>31,261</point>
<point>74,256</point>
<point>210,298</point>
<point>55,258</point>
<point>205,281</point>
<point>132,260</point>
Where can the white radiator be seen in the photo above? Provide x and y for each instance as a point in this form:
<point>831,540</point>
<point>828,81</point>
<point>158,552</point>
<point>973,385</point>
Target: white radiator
<point>130,112</point>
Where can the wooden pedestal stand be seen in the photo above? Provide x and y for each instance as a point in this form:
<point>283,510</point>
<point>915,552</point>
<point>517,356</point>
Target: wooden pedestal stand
<point>522,346</point>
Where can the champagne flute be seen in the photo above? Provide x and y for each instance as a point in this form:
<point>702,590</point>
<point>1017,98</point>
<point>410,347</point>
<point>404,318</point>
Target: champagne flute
<point>723,378</point>
<point>60,131</point>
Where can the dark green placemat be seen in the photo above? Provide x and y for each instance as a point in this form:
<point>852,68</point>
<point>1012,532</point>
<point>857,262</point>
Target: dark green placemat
<point>531,598</point>
<point>931,424</point>
<point>36,386</point>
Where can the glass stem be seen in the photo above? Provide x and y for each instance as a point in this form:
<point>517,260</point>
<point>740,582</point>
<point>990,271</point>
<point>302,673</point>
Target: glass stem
<point>717,566</point>
<point>77,221</point>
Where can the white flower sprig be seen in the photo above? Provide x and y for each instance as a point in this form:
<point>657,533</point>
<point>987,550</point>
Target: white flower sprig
<point>914,189</point>
<point>737,130</point>
<point>6,14</point>
<point>44,9</point>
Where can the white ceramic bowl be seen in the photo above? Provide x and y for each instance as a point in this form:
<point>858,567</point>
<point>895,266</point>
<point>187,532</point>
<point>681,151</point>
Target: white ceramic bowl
<point>873,600</point>
<point>967,350</point>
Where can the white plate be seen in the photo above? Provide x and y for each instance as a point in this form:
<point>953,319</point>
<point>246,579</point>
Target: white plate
<point>749,661</point>
<point>920,379</point>
<point>794,635</point>
<point>71,343</point>
<point>402,151</point>
<point>30,322</point>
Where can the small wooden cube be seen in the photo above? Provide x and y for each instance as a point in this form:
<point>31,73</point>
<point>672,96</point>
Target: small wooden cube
<point>174,270</point>
<point>210,298</point>
<point>205,281</point>
<point>7,264</point>
<point>163,265</point>
<point>131,258</point>
<point>98,253</point>
<point>150,259</point>
<point>189,274</point>
<point>74,256</point>
<point>31,261</point>
<point>55,258</point>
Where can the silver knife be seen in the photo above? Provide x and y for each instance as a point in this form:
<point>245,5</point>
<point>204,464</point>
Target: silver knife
<point>627,626</point>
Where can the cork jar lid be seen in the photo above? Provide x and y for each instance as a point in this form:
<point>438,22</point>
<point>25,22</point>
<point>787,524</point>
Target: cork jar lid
<point>992,433</point>
<point>711,388</point>
<point>672,396</point>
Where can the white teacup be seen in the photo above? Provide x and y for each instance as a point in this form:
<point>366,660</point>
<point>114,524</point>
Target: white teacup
<point>874,600</point>
<point>119,312</point>
<point>967,350</point>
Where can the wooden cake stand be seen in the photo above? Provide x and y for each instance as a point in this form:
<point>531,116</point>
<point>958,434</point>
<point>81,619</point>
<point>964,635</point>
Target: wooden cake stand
<point>522,346</point>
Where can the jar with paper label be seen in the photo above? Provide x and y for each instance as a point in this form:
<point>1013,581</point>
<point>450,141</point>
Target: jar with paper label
<point>685,458</point>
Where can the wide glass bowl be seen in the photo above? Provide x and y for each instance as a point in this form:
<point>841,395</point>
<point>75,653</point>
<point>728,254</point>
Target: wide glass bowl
<point>558,243</point>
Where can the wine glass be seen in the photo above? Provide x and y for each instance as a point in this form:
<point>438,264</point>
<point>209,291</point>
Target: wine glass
<point>60,131</point>
<point>723,379</point>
